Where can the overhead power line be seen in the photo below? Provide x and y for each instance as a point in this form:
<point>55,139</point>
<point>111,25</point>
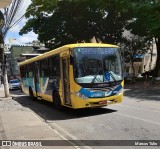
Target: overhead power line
<point>10,14</point>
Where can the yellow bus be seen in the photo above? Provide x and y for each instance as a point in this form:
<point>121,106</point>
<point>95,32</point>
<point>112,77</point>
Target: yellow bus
<point>81,75</point>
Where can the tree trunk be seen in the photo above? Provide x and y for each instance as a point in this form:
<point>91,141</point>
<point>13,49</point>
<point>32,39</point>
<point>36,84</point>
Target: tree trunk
<point>6,86</point>
<point>4,70</point>
<point>150,63</point>
<point>132,63</point>
<point>157,68</point>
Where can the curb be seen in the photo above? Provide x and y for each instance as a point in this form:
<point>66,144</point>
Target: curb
<point>6,98</point>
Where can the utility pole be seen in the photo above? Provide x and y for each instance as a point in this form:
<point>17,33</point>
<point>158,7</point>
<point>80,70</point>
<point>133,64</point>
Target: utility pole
<point>4,69</point>
<point>6,22</point>
<point>3,57</point>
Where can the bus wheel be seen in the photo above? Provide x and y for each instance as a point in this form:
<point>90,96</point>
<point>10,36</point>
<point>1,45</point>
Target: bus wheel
<point>31,94</point>
<point>57,101</point>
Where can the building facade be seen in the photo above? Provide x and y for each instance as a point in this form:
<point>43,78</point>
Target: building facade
<point>142,63</point>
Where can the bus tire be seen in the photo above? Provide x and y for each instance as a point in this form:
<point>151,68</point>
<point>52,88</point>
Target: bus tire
<point>31,94</point>
<point>56,101</point>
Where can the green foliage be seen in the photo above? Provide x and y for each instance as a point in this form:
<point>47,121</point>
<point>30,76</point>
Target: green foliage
<point>71,21</point>
<point>147,14</point>
<point>136,46</point>
<point>146,23</point>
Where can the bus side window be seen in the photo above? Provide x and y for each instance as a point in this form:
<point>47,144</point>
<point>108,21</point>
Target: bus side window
<point>30,70</point>
<point>54,66</point>
<point>44,68</point>
<point>24,71</point>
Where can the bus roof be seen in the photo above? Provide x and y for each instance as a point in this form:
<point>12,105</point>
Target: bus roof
<point>90,45</point>
<point>63,48</point>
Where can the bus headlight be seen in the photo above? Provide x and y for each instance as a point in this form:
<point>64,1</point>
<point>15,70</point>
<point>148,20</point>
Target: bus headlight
<point>78,94</point>
<point>119,92</point>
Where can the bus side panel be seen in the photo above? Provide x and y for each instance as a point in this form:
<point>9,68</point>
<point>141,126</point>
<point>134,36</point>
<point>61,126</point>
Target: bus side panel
<point>46,88</point>
<point>26,83</point>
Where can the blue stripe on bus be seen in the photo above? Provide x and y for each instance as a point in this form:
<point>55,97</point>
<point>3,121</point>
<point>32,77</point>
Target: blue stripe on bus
<point>96,94</point>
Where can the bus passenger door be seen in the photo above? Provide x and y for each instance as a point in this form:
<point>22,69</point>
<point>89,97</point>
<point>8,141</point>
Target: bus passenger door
<point>37,78</point>
<point>66,81</point>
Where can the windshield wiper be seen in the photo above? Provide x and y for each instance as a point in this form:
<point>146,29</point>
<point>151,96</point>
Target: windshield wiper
<point>114,79</point>
<point>95,77</point>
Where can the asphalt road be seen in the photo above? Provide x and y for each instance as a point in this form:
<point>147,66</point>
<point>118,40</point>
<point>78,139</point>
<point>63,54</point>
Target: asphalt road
<point>136,118</point>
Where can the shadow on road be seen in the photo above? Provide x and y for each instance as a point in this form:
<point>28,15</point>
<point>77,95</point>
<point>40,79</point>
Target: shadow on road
<point>46,110</point>
<point>138,92</point>
<point>16,92</point>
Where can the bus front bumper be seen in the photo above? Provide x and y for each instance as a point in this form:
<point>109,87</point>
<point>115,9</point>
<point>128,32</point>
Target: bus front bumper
<point>96,102</point>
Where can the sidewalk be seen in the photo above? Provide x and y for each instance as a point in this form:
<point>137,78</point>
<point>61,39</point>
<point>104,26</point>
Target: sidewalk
<point>2,95</point>
<point>20,123</point>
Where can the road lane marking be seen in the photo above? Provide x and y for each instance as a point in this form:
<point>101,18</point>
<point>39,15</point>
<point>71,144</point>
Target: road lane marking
<point>75,146</point>
<point>141,119</point>
<point>141,108</point>
<point>56,126</point>
<point>55,131</point>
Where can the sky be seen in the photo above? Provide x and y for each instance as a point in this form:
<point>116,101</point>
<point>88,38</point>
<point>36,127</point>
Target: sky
<point>14,31</point>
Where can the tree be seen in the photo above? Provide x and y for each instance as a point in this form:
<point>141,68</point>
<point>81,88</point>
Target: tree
<point>63,22</point>
<point>146,18</point>
<point>135,48</point>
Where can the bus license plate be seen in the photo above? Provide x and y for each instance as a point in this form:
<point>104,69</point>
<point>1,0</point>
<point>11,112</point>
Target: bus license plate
<point>103,102</point>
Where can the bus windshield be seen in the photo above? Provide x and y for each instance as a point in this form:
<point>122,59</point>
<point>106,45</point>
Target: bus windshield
<point>97,65</point>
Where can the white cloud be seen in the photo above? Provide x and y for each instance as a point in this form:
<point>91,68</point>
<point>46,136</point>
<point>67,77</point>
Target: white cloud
<point>13,33</point>
<point>27,38</point>
<point>19,26</point>
<point>16,28</point>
